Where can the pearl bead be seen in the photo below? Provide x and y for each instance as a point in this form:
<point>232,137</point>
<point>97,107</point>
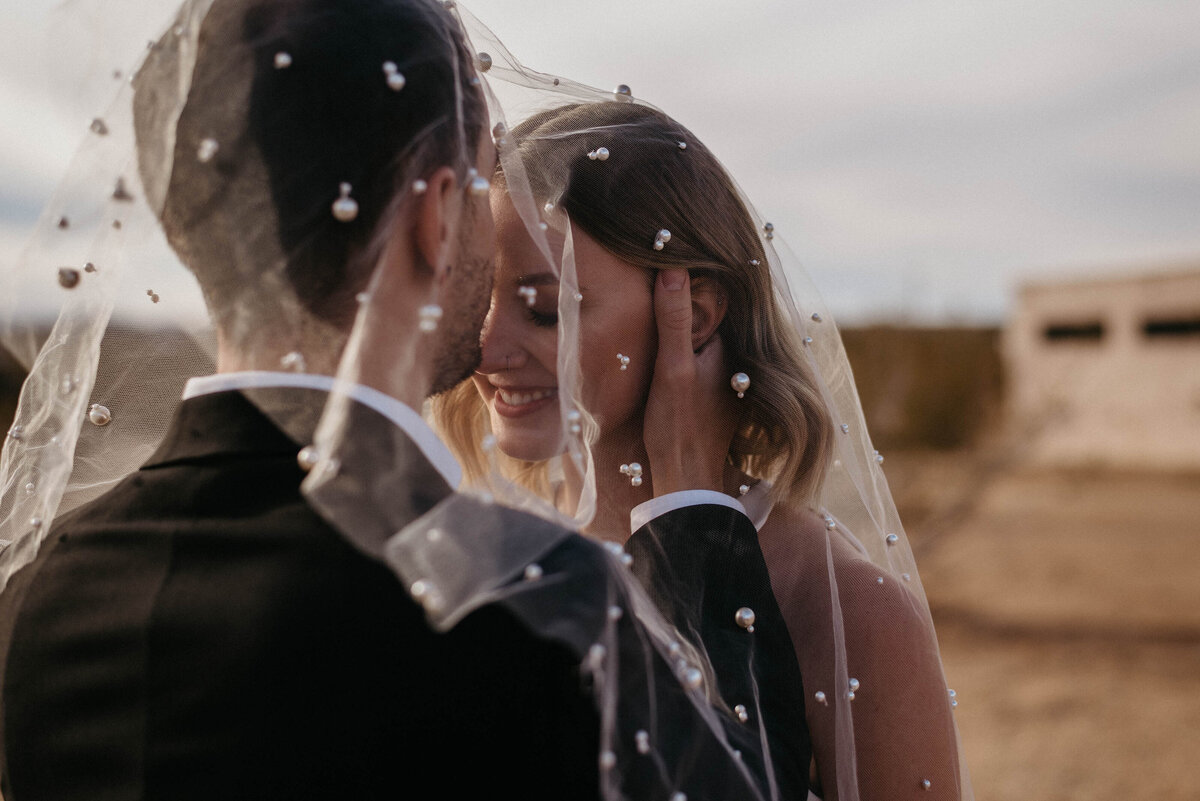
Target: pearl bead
<point>740,711</point>
<point>623,91</point>
<point>30,488</point>
<point>488,442</point>
<point>434,535</point>
<point>906,576</point>
<point>533,572</point>
<point>429,315</point>
<point>548,208</point>
<point>308,457</point>
<point>693,678</point>
<point>664,235</point>
<point>892,539</point>
<point>99,415</point>
<point>854,685</point>
<point>98,127</point>
<point>745,618</point>
<point>679,797</point>
<point>36,522</point>
<point>68,278</point>
<point>345,208</point>
<point>623,360</point>
<point>419,186</point>
<point>683,145</point>
<point>878,457</point>
<point>845,428</point>
<point>740,383</point>
<point>207,149</point>
<point>615,612</point>
<point>596,654</point>
<point>926,784</point>
<point>820,696</point>
<point>426,594</point>
<point>483,62</point>
<point>642,738</point>
<point>89,268</point>
<point>743,489</point>
<point>879,580</point>
<point>479,186</point>
<point>608,760</point>
<point>283,60</point>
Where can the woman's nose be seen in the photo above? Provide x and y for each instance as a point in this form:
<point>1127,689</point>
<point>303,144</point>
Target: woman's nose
<point>500,341</point>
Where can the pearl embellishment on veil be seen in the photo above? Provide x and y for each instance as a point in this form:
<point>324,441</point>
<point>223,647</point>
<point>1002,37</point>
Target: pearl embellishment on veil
<point>99,415</point>
<point>283,60</point>
<point>345,208</point>
<point>395,79</point>
<point>740,383</point>
<point>634,471</point>
<point>207,149</point>
<point>745,618</point>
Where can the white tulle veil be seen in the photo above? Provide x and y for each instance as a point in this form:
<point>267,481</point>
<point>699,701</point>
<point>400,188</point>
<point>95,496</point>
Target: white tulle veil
<point>121,325</point>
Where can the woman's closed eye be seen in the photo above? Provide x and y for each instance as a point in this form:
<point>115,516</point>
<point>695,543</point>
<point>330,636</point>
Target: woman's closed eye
<point>540,302</point>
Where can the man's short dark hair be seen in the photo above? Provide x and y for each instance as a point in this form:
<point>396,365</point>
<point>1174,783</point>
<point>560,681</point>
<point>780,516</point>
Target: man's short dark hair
<point>289,132</point>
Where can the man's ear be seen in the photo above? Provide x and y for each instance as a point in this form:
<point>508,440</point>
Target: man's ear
<point>435,210</point>
<point>708,309</point>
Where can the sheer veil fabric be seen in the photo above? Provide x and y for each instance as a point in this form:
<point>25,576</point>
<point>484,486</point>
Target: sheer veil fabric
<point>111,324</point>
<point>574,160</point>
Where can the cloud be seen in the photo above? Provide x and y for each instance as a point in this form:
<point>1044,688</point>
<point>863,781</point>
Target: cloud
<point>920,157</point>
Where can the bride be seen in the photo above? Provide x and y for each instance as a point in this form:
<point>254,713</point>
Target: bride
<point>696,372</point>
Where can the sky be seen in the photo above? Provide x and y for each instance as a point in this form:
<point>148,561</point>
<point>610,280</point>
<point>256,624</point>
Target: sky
<point>924,158</point>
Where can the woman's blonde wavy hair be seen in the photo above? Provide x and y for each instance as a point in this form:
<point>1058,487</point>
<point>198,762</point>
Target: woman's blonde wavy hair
<point>660,176</point>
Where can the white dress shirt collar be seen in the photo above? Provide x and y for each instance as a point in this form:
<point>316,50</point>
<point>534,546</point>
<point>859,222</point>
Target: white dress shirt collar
<point>399,413</point>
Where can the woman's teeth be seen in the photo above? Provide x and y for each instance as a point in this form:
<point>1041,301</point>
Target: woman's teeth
<point>523,398</point>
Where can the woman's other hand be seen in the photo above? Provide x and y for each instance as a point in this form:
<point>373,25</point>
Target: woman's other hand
<point>691,413</point>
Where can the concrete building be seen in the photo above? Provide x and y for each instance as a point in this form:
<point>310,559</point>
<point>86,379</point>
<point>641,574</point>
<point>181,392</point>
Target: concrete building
<point>1106,372</point>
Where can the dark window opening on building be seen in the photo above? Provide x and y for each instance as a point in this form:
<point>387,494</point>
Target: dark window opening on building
<point>1074,332</point>
<point>1172,327</point>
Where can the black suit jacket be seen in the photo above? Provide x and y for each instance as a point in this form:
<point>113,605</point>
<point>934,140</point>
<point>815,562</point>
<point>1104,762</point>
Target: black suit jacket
<point>199,632</point>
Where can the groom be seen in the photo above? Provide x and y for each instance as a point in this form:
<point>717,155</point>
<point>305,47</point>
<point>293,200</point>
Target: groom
<point>199,631</point>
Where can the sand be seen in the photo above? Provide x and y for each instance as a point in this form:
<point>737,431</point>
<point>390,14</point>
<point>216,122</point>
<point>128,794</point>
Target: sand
<point>1068,609</point>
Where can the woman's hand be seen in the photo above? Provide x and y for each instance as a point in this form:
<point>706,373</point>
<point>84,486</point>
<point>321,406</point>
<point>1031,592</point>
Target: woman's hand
<point>691,413</point>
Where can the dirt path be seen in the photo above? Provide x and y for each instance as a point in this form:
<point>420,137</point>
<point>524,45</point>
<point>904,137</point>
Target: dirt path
<point>1068,608</point>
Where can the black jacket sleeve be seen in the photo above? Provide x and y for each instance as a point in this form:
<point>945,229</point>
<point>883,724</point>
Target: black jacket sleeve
<point>701,564</point>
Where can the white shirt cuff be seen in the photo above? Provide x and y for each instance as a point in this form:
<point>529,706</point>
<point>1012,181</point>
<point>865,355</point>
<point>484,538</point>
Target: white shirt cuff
<point>643,513</point>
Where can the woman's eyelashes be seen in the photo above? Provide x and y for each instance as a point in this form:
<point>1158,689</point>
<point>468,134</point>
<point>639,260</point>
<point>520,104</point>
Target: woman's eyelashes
<point>540,304</point>
<point>543,319</point>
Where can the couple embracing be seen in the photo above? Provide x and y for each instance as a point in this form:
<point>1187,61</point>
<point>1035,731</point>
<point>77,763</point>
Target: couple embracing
<point>528,468</point>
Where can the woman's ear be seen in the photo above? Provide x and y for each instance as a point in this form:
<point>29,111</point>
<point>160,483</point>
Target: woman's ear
<point>433,213</point>
<point>708,309</point>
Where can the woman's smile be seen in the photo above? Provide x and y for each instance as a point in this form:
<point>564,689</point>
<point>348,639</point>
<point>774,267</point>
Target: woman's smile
<point>521,401</point>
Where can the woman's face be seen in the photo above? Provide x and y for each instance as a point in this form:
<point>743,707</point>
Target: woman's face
<point>518,379</point>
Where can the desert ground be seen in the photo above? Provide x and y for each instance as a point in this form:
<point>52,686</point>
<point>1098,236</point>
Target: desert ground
<point>1068,609</point>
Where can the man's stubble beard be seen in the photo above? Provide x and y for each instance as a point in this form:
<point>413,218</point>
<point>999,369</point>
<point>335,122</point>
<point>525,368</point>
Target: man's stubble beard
<point>460,349</point>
